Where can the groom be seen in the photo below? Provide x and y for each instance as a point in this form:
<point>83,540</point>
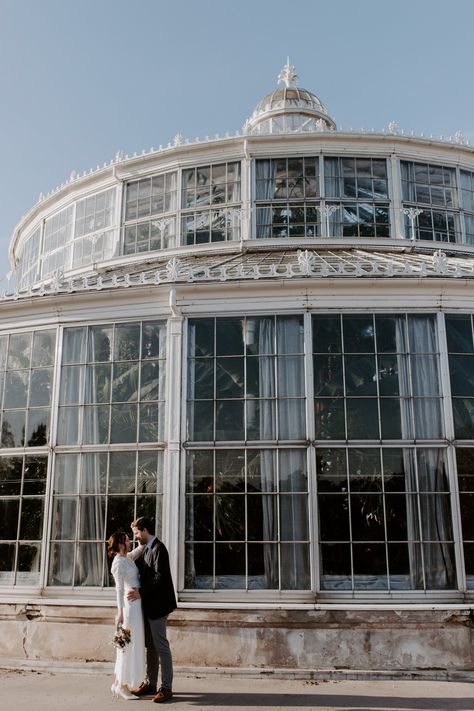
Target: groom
<point>158,600</point>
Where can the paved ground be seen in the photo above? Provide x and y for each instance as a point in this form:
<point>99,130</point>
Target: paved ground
<point>45,691</point>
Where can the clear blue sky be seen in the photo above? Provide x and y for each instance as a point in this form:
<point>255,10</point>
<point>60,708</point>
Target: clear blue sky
<point>81,79</point>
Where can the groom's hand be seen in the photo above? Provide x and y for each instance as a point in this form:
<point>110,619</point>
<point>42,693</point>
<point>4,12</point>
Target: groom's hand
<point>134,594</point>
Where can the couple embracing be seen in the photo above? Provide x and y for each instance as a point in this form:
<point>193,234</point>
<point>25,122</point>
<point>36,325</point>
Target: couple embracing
<point>145,597</point>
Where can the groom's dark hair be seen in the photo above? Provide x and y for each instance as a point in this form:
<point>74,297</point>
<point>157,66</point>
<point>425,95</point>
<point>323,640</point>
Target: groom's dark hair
<point>142,523</point>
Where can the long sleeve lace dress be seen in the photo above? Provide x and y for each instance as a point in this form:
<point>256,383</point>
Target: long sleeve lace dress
<point>130,661</point>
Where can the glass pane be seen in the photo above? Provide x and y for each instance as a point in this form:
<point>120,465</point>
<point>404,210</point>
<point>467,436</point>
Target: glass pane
<point>43,348</point>
<point>391,334</point>
<point>13,428</point>
<point>150,472</point>
<point>291,419</point>
<point>262,470</point>
<point>200,517</point>
<point>120,513</point>
<point>364,470</point>
<point>98,381</point>
<point>334,517</point>
<point>16,389</point>
<point>230,565</point>
<point>37,433</point>
<point>261,419</point>
<point>94,473</point>
<point>463,412</point>
<point>61,564</point>
<point>331,470</point>
<point>123,423</point>
<point>358,334</point>
<point>151,426</point>
<point>19,351</point>
<point>66,474</point>
<point>64,519</point>
<point>229,420</point>
<point>367,517</point>
<point>459,334</point>
<point>199,472</point>
<point>229,377</point>
<point>201,337</point>
<point>361,375</point>
<point>229,337</point>
<point>293,474</point>
<point>461,370</point>
<point>201,381</point>
<point>329,418</point>
<point>91,517</point>
<point>122,472</point>
<point>362,418</point>
<point>290,334</point>
<point>230,517</point>
<point>40,387</point>
<point>9,510</point>
<point>31,521</point>
<point>201,421</point>
<point>127,341</point>
<point>230,471</point>
<point>29,558</point>
<point>295,566</point>
<point>89,562</point>
<point>153,339</point>
<point>10,476</point>
<point>96,424</point>
<point>74,342</point>
<point>72,382</point>
<point>328,375</point>
<point>125,382</point>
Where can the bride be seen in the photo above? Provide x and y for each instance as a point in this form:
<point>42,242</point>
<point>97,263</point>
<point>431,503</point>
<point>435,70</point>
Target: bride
<point>130,660</point>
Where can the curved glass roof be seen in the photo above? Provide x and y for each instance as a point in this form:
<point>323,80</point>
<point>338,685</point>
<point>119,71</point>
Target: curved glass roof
<point>289,109</point>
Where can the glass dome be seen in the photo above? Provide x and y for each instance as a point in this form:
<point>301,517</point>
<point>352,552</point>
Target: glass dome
<point>289,109</point>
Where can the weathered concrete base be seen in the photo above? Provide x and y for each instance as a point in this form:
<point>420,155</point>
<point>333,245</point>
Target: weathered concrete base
<point>434,643</point>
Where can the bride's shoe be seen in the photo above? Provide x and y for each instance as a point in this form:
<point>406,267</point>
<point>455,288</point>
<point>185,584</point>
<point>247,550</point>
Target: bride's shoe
<point>113,689</point>
<point>125,693</point>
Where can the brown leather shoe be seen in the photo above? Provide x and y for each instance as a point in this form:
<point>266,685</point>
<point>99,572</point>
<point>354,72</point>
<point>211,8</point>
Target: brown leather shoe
<point>163,694</point>
<point>143,690</point>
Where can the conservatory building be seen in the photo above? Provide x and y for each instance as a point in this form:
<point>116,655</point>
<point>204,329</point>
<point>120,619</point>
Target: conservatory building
<point>265,342</point>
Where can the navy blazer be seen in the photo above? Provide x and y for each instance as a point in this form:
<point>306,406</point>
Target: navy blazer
<point>157,591</point>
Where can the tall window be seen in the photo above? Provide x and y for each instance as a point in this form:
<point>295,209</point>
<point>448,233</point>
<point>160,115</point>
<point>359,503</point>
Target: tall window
<point>356,190</point>
<point>150,214</point>
<point>26,377</point>
<point>247,523</point>
<point>432,189</point>
<point>384,513</point>
<point>286,191</point>
<point>29,268</point>
<point>210,203</point>
<point>57,242</point>
<point>93,239</point>
<point>112,384</point>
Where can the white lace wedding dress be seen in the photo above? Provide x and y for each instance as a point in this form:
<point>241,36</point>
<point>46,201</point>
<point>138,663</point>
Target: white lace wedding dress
<point>130,661</point>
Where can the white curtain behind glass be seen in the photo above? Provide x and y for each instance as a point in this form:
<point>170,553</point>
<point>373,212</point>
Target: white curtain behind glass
<point>428,516</point>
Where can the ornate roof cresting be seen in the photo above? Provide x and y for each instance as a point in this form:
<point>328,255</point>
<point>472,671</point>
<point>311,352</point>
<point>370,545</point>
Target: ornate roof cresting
<point>315,264</point>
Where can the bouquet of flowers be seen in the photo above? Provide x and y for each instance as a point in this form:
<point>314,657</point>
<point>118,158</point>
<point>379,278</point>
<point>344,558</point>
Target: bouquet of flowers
<point>122,637</point>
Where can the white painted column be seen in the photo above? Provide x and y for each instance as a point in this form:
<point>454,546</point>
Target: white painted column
<point>172,457</point>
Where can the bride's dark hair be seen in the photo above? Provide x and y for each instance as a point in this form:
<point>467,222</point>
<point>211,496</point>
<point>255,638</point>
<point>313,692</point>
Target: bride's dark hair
<point>116,540</point>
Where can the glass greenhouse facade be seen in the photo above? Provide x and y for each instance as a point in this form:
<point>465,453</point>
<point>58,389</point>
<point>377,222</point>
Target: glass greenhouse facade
<point>265,342</point>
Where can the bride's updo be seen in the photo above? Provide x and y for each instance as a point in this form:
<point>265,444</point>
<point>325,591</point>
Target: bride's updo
<point>116,540</point>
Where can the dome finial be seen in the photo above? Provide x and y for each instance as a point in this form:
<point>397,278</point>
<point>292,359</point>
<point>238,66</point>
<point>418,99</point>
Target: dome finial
<point>288,76</point>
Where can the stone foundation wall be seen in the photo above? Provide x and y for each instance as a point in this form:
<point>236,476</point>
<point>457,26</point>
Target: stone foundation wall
<point>403,640</point>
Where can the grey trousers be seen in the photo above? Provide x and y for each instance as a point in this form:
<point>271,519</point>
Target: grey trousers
<point>158,652</point>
